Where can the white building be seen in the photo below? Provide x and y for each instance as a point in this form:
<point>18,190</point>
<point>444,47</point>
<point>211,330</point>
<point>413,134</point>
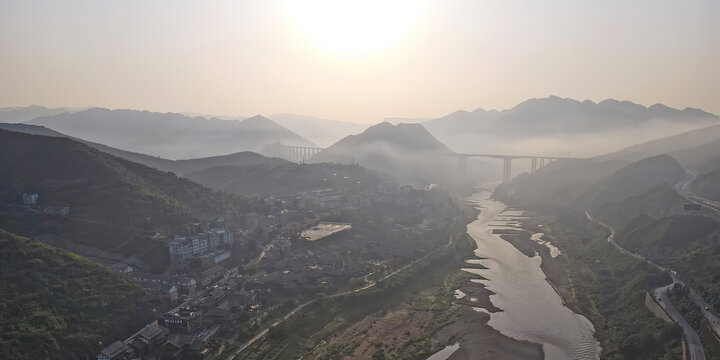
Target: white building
<point>185,248</point>
<point>30,199</point>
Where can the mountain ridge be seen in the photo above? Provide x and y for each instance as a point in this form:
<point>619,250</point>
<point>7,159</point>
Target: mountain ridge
<point>180,167</point>
<point>170,135</point>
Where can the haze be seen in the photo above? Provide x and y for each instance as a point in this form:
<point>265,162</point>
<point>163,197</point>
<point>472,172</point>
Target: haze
<point>408,58</point>
<point>360,180</point>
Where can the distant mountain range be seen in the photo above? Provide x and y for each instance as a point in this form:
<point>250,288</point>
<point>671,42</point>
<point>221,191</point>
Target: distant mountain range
<point>180,167</point>
<point>557,126</point>
<point>553,115</point>
<point>169,135</point>
<point>13,115</point>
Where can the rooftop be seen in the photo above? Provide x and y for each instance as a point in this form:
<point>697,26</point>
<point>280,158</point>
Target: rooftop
<point>114,349</point>
<point>324,229</point>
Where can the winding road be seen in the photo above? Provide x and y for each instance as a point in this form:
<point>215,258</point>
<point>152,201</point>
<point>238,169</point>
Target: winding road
<point>684,189</point>
<point>695,349</point>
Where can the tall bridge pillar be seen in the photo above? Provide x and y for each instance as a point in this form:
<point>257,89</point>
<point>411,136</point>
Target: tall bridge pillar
<point>507,169</point>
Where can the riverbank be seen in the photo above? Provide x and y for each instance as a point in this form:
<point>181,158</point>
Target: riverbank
<point>425,324</point>
<point>410,317</point>
<point>555,268</point>
<point>596,280</point>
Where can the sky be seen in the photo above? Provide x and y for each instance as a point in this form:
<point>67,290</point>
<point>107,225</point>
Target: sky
<point>357,61</point>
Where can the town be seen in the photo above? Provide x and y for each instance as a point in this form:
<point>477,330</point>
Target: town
<point>228,281</point>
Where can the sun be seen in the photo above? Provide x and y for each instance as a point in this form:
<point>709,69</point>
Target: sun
<point>354,28</point>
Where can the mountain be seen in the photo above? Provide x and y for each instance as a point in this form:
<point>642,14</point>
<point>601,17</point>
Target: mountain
<point>633,179</point>
<point>666,145</point>
<point>179,167</point>
<point>658,202</point>
<point>400,120</point>
<point>172,136</point>
<point>657,238</point>
<point>287,179</point>
<point>27,113</point>
<point>57,305</point>
<point>407,152</point>
<point>590,183</point>
<point>112,201</point>
<point>558,126</point>
<point>561,181</point>
<point>699,156</point>
<point>320,131</point>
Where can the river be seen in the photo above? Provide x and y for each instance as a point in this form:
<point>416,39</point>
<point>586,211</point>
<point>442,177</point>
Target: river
<point>532,310</point>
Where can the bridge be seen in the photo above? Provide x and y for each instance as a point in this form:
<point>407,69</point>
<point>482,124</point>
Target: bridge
<point>536,162</point>
<point>297,154</point>
<point>300,154</point>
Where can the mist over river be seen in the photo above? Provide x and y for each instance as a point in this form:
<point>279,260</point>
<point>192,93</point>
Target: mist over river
<point>532,310</point>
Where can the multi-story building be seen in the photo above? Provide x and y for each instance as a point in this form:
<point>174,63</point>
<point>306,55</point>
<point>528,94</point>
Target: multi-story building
<point>182,320</point>
<point>183,248</point>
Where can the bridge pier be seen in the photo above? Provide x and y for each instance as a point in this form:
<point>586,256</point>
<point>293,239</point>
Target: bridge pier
<point>537,162</point>
<point>296,154</point>
<point>507,169</point>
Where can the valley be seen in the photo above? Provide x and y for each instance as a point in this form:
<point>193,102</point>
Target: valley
<point>218,246</point>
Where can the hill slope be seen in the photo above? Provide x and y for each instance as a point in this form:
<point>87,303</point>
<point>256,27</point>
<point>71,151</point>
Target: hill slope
<point>633,179</point>
<point>179,167</point>
<point>287,179</point>
<point>588,184</point>
<point>172,136</point>
<point>667,145</point>
<point>406,151</point>
<point>111,199</point>
<point>57,305</point>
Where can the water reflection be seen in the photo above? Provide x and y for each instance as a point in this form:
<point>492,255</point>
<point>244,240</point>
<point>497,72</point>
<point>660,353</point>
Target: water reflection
<point>532,310</point>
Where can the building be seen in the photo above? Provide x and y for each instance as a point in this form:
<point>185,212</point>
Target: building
<point>180,249</point>
<point>173,292</point>
<point>30,199</point>
<point>115,351</point>
<point>225,236</point>
<point>182,320</point>
<point>184,248</point>
<point>327,198</point>
<point>153,335</point>
<point>325,229</point>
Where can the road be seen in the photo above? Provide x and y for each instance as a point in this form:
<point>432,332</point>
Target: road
<point>695,349</point>
<point>685,190</point>
<point>344,293</point>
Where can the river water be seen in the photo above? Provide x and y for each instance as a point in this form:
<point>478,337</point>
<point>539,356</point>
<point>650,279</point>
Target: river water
<point>532,310</point>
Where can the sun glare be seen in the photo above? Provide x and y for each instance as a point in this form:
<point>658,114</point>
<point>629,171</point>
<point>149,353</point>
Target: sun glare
<point>354,28</point>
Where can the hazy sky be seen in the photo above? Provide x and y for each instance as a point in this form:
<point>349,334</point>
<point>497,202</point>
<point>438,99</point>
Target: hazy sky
<point>356,61</point>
